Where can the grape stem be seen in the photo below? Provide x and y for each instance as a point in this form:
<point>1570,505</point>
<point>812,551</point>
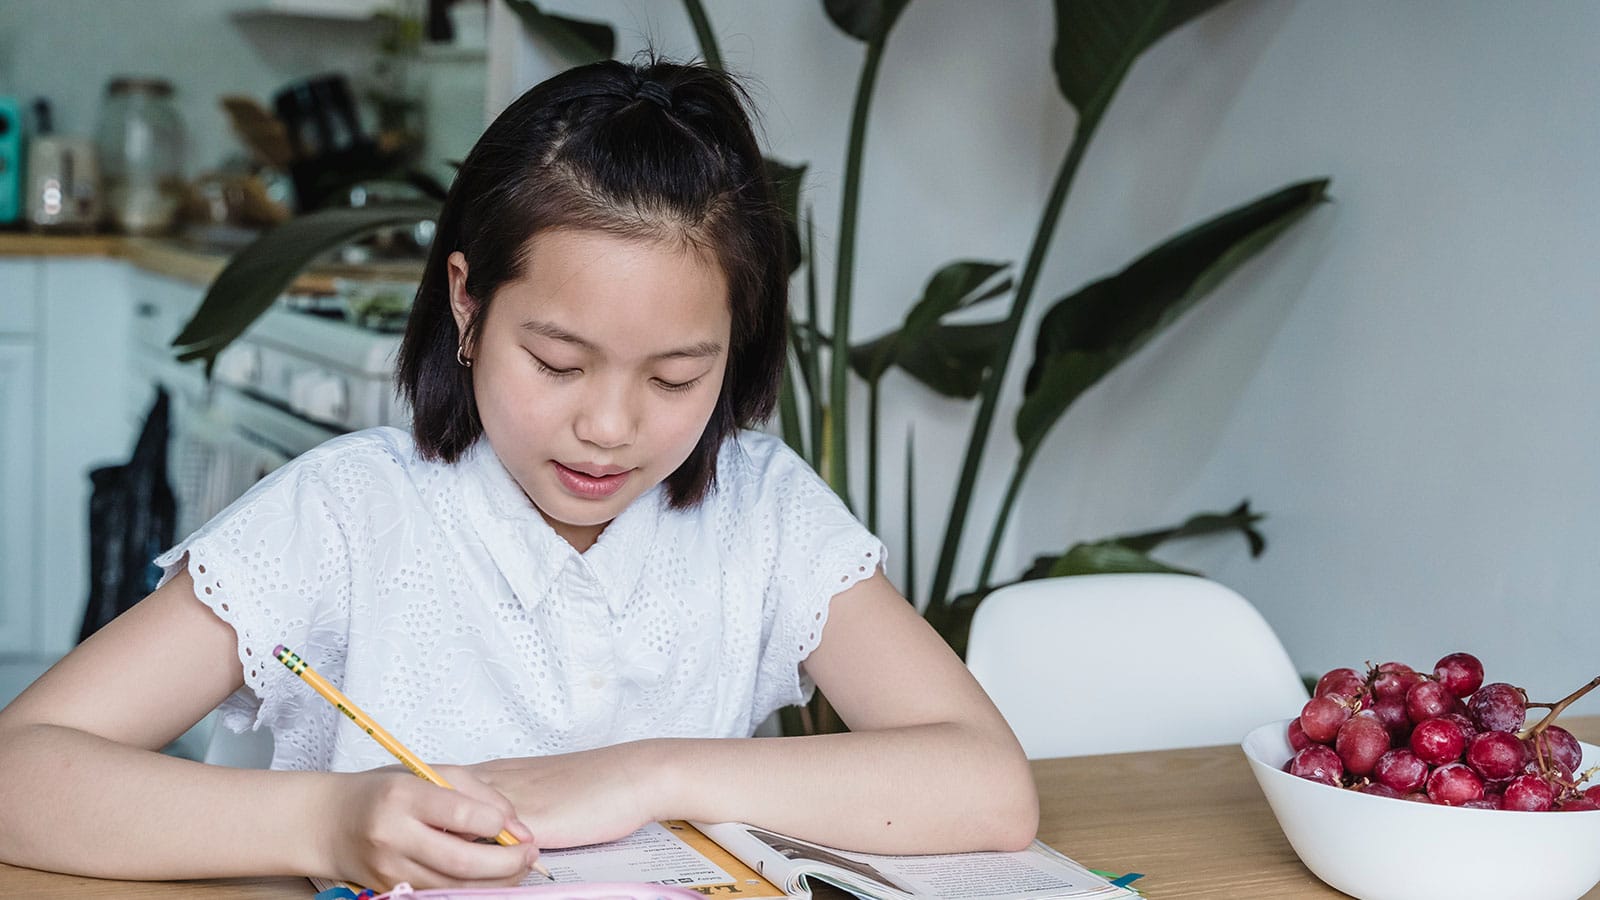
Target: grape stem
<point>1556,708</point>
<point>1536,732</point>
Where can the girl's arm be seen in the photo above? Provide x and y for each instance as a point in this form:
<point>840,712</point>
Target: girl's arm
<point>83,788</point>
<point>929,764</point>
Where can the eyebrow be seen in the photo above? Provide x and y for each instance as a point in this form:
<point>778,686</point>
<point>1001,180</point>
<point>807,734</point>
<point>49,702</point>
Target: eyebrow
<point>555,332</point>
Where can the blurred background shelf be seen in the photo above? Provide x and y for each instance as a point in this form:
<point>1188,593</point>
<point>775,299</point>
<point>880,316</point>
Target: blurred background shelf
<point>346,10</point>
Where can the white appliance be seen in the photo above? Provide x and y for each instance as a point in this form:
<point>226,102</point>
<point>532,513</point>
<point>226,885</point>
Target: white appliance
<point>292,381</point>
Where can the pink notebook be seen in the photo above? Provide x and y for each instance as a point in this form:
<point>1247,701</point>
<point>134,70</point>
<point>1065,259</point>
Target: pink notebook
<point>614,891</point>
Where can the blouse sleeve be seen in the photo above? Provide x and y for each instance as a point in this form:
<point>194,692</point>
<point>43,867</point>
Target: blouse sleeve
<point>818,550</point>
<point>275,566</point>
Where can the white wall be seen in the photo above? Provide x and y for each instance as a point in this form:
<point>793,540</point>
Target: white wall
<point>68,50</point>
<point>1405,384</point>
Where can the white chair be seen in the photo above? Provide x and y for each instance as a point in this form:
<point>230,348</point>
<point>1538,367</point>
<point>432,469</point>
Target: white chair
<point>1117,663</point>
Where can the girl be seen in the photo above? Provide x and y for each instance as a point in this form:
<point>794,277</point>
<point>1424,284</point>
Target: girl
<point>577,584</point>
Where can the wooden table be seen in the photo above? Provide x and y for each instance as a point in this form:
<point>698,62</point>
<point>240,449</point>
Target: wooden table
<point>1194,821</point>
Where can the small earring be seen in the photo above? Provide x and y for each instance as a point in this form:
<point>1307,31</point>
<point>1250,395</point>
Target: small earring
<point>461,356</point>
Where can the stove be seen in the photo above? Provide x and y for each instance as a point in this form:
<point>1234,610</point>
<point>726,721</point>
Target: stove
<point>297,377</point>
<point>325,370</point>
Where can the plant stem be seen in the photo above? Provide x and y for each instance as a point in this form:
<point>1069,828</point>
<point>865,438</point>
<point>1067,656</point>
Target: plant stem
<point>702,31</point>
<point>789,411</point>
<point>839,385</point>
<point>911,520</point>
<point>996,377</point>
<point>872,456</point>
<point>809,360</point>
<point>1012,489</point>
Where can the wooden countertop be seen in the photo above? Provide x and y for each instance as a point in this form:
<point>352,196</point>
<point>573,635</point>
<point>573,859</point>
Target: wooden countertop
<point>1194,821</point>
<point>174,259</point>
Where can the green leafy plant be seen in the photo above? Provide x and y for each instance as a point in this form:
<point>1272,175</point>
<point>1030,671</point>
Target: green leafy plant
<point>1082,336</point>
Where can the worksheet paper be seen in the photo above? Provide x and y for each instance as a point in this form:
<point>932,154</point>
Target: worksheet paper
<point>651,854</point>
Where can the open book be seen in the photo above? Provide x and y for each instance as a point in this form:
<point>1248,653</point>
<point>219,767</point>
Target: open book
<point>736,860</point>
<point>1036,873</point>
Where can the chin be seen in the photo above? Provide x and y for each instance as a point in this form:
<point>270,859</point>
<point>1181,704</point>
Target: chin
<point>582,513</point>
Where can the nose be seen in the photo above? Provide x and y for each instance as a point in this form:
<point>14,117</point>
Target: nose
<point>606,418</point>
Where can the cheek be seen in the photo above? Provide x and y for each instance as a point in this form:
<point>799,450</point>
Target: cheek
<point>681,429</point>
<point>513,406</point>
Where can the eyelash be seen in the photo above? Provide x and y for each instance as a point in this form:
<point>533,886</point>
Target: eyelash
<point>559,374</point>
<point>677,387</point>
<point>552,371</point>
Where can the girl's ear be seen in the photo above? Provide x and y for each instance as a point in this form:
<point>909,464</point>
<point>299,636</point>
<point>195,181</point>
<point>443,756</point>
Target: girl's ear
<point>462,306</point>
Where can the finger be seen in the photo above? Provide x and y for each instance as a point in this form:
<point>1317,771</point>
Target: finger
<point>469,785</point>
<point>462,860</point>
<point>426,877</point>
<point>460,812</point>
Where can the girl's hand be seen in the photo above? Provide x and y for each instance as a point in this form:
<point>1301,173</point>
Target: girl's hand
<point>389,826</point>
<point>576,798</point>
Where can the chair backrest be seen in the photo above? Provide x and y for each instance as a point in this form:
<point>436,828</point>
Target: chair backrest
<point>1116,663</point>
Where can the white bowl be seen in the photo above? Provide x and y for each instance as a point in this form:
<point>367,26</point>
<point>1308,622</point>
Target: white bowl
<point>1379,848</point>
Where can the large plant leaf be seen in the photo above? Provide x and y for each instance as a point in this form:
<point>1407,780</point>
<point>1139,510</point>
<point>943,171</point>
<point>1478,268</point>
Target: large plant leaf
<point>865,20</point>
<point>1087,334</point>
<point>579,40</point>
<point>258,274</point>
<point>1130,552</point>
<point>953,360</point>
<point>1097,42</point>
<point>1100,557</point>
<point>957,285</point>
<point>1241,519</point>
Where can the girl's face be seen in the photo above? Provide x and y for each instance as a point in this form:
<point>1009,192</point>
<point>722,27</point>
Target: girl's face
<point>597,371</point>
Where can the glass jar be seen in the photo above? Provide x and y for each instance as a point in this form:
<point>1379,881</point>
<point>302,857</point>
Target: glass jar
<point>140,138</point>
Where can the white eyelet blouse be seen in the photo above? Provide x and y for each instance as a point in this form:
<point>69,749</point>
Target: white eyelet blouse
<point>440,601</point>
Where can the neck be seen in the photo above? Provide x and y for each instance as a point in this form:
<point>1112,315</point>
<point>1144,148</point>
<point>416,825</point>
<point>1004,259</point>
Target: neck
<point>581,537</point>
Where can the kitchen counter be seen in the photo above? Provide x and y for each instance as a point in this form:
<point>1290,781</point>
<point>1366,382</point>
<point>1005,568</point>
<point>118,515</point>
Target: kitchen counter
<point>176,259</point>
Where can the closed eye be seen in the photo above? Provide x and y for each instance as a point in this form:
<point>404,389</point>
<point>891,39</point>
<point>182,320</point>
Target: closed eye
<point>552,371</point>
<point>677,386</point>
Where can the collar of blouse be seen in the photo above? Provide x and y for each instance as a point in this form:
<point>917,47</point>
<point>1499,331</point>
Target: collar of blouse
<point>531,555</point>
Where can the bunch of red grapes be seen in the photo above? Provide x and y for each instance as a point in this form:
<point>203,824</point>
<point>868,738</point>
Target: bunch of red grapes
<point>1444,738</point>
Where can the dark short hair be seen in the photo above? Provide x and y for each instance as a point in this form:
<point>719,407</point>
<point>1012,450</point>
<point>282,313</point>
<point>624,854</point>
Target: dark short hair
<point>657,151</point>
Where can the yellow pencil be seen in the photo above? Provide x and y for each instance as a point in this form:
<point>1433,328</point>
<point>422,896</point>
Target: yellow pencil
<point>419,768</point>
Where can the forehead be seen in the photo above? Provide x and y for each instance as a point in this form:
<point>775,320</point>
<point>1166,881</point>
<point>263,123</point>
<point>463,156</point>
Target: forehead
<point>619,293</point>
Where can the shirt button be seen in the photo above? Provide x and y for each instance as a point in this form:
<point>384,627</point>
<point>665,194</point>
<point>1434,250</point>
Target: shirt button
<point>597,681</point>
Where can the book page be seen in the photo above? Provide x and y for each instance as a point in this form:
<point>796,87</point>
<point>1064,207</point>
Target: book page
<point>1037,872</point>
<point>651,854</point>
<point>658,853</point>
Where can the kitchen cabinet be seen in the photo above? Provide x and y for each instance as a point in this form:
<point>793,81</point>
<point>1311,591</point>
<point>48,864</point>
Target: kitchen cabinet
<point>19,501</point>
<point>64,409</point>
<point>86,420</point>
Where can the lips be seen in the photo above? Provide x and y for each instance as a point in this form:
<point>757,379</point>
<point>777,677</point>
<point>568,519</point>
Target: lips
<point>591,482</point>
